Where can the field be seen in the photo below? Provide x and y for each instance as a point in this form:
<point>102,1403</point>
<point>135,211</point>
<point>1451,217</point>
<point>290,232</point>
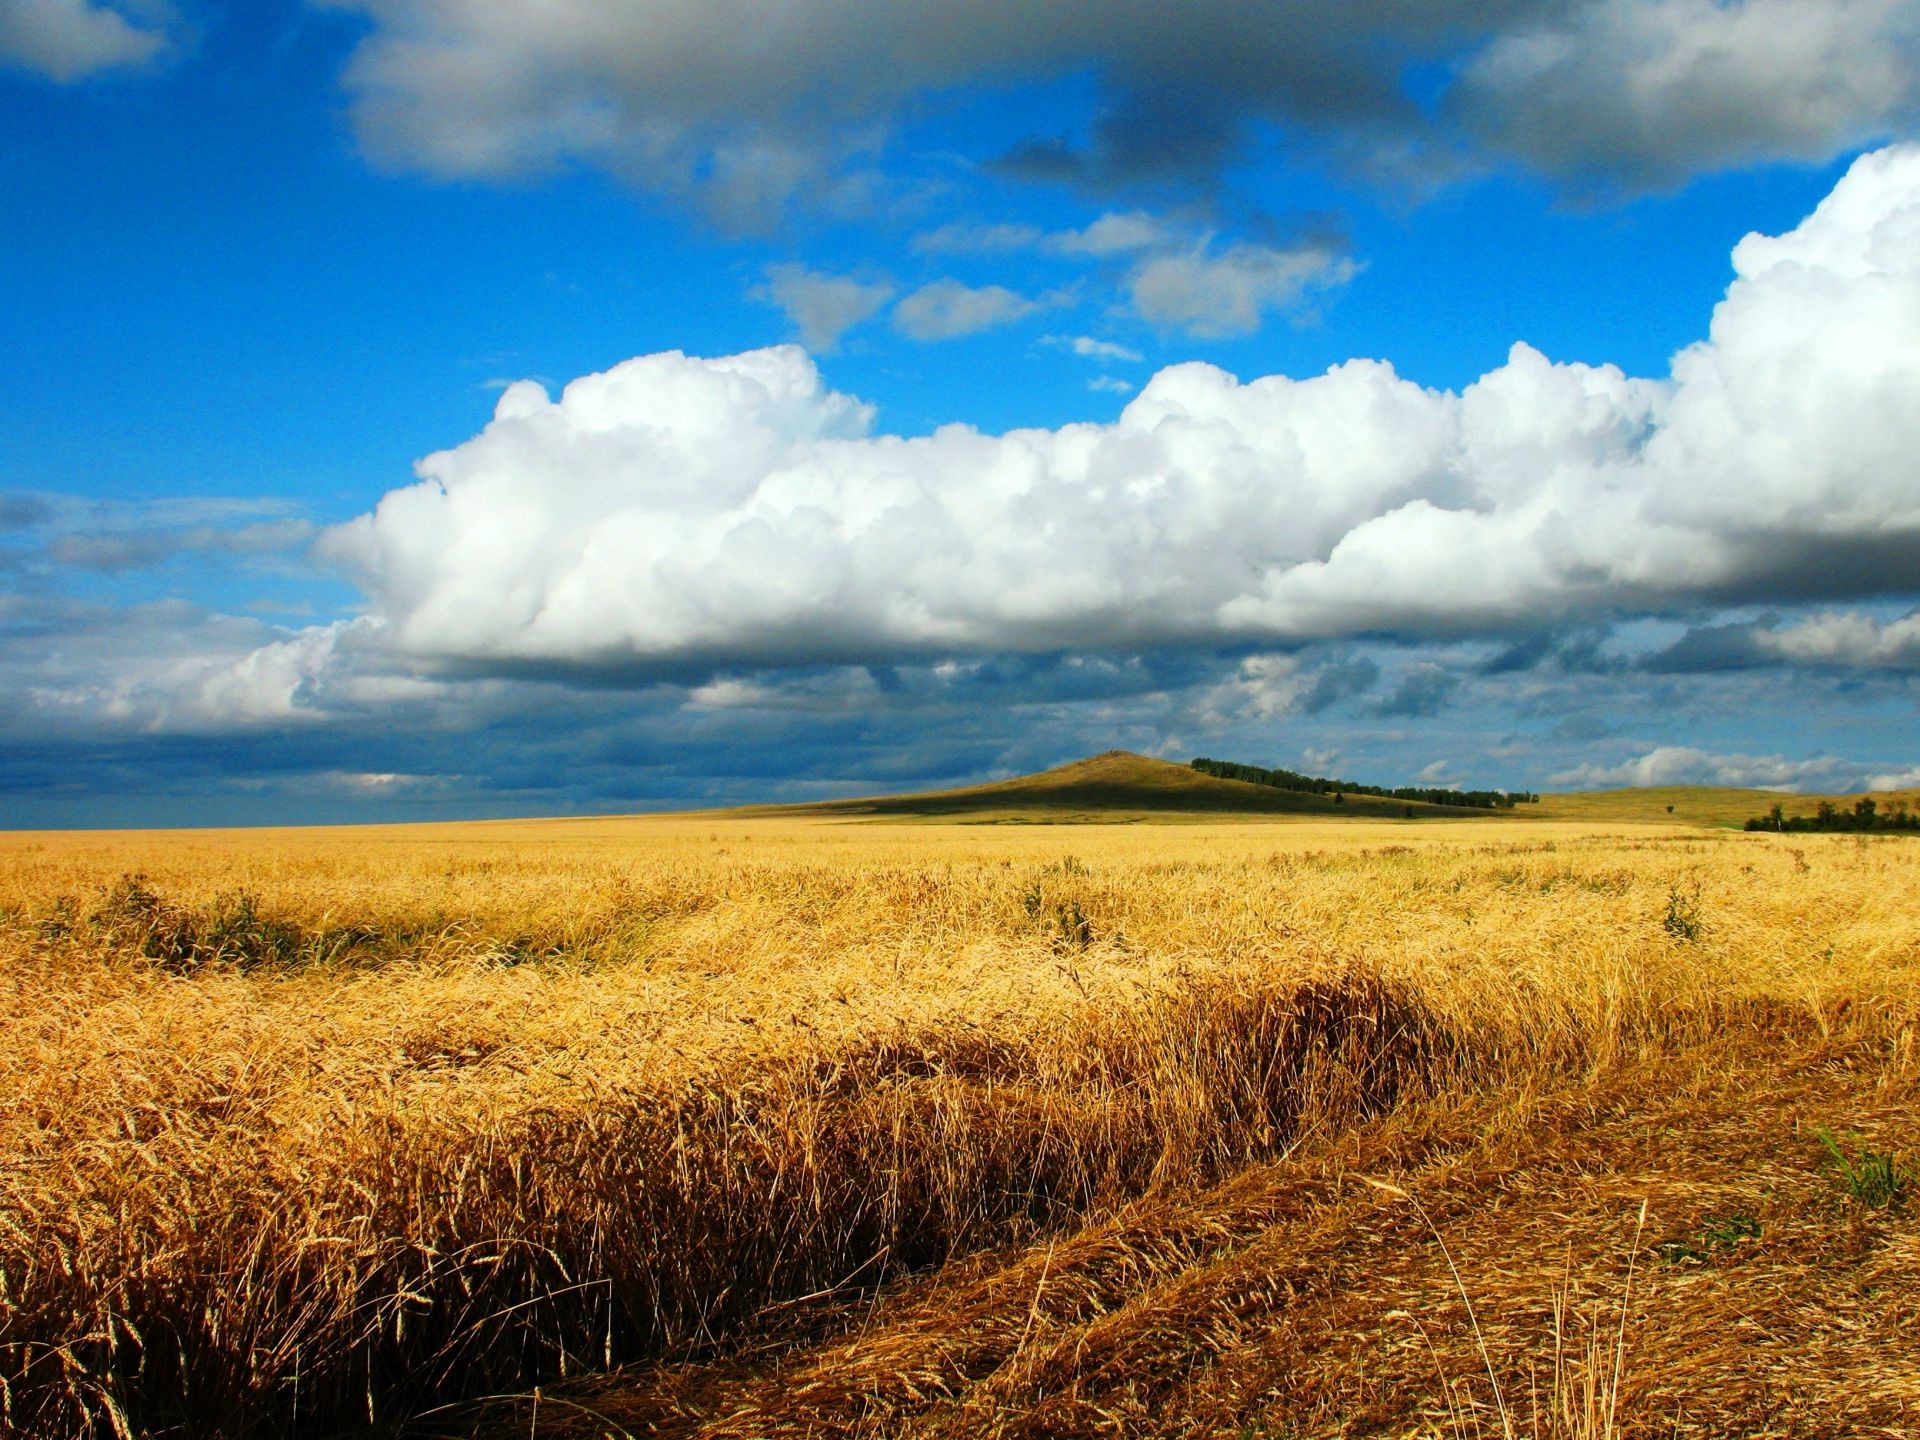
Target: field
<point>802,1126</point>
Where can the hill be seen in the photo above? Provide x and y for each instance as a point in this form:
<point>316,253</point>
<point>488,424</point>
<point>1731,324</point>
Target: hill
<point>1120,787</point>
<point>1117,786</point>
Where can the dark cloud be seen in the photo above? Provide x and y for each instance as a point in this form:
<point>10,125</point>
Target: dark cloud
<point>1639,94</point>
<point>1711,648</point>
<point>23,512</point>
<point>1519,655</point>
<point>1338,681</point>
<point>120,550</point>
<point>1422,692</point>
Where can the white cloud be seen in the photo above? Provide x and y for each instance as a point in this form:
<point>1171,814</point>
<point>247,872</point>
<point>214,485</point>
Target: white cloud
<point>946,310</point>
<point>1089,348</point>
<point>738,514</point>
<point>822,307</point>
<point>1115,233</point>
<point>1684,765</point>
<point>171,667</point>
<point>730,694</point>
<point>1110,385</point>
<point>1264,688</point>
<point>1231,292</point>
<point>1847,638</point>
<point>963,239</point>
<point>1175,276</point>
<point>71,39</point>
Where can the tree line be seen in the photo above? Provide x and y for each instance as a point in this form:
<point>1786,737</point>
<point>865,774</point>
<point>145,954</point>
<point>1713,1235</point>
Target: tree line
<point>1865,815</point>
<point>1318,785</point>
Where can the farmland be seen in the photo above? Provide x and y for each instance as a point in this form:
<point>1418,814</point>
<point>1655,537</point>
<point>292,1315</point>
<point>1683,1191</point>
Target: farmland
<point>802,1125</point>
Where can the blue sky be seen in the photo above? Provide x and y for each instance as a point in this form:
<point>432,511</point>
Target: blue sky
<point>980,386</point>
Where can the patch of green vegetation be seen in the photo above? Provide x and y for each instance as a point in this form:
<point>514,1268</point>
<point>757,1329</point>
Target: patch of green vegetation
<point>1717,1235</point>
<point>1683,914</point>
<point>1071,925</point>
<point>1874,1178</point>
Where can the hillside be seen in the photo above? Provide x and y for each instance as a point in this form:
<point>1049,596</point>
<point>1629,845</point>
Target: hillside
<point>1121,787</point>
<point>1116,786</point>
<point>1691,804</point>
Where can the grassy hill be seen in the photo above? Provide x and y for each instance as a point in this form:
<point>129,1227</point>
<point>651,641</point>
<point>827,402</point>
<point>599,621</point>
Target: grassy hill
<point>1117,787</point>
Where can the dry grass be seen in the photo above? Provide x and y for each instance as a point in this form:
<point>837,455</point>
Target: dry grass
<point>310,1128</point>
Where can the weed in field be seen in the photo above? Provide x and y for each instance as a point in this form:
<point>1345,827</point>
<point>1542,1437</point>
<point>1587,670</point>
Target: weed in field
<point>1683,914</point>
<point>1874,1178</point>
<point>1072,929</point>
<point>1717,1235</point>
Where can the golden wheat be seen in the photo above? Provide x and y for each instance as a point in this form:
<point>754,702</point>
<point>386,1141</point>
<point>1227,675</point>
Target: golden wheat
<point>318,1126</point>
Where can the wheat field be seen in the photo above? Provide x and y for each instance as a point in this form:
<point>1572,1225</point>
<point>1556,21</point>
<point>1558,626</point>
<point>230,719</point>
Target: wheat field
<point>309,1130</point>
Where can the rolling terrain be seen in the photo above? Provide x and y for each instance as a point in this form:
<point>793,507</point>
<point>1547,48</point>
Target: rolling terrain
<point>1119,787</point>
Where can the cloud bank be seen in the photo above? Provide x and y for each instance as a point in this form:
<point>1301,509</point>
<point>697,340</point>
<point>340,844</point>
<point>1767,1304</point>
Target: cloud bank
<point>1687,765</point>
<point>1633,92</point>
<point>678,513</point>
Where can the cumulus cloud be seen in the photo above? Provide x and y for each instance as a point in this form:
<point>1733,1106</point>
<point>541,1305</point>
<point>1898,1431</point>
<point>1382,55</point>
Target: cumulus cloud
<point>946,310</point>
<point>171,666</point>
<point>1847,638</point>
<point>70,39</point>
<point>1638,91</point>
<point>679,512</point>
<point>1685,765</point>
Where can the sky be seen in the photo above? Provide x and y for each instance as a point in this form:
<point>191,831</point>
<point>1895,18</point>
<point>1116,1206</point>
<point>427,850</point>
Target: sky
<point>427,409</point>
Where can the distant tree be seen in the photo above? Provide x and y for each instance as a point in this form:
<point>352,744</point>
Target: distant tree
<point>1865,816</point>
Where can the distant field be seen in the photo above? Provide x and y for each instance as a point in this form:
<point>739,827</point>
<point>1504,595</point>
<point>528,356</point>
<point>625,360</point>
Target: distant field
<point>823,1128</point>
<point>1692,804</point>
